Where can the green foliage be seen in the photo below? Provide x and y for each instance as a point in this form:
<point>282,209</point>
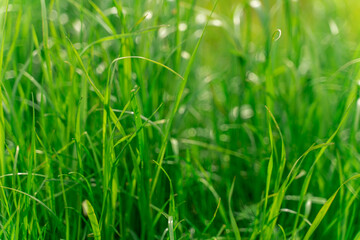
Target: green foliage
<point>132,119</point>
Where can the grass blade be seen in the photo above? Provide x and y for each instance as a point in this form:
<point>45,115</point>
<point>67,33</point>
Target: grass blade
<point>321,214</point>
<point>93,220</point>
<point>212,219</point>
<point>234,226</point>
<point>2,120</point>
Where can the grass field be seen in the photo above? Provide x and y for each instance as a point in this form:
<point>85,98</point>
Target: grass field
<point>169,119</point>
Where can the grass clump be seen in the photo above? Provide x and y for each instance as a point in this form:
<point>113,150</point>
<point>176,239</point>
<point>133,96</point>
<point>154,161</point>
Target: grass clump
<point>179,119</point>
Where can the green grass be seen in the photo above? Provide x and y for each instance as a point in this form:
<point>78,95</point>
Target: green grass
<point>157,119</point>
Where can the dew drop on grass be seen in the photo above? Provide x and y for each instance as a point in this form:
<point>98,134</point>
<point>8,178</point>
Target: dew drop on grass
<point>163,32</point>
<point>53,15</point>
<point>77,25</point>
<point>175,145</point>
<point>40,97</point>
<point>344,135</point>
<point>80,72</point>
<point>10,74</point>
<point>148,15</point>
<point>77,46</point>
<point>276,35</point>
<point>133,76</point>
<point>113,98</point>
<point>236,21</point>
<point>304,67</point>
<point>137,39</point>
<point>216,23</point>
<point>63,18</point>
<point>237,15</point>
<point>333,27</point>
<point>182,27</point>
<point>84,208</point>
<point>50,43</point>
<point>181,110</point>
<point>224,127</point>
<point>200,18</point>
<point>255,3</point>
<point>185,55</point>
<point>252,77</point>
<point>235,112</point>
<point>224,138</point>
<point>101,68</point>
<point>308,207</point>
<point>113,11</point>
<point>246,112</point>
<point>198,33</point>
<point>190,132</point>
<point>10,8</point>
<point>260,57</point>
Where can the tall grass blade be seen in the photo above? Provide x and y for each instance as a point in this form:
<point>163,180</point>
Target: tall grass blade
<point>2,119</point>
<point>93,220</point>
<point>234,225</point>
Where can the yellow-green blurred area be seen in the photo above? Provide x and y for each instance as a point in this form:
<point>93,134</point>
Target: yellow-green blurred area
<point>328,29</point>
